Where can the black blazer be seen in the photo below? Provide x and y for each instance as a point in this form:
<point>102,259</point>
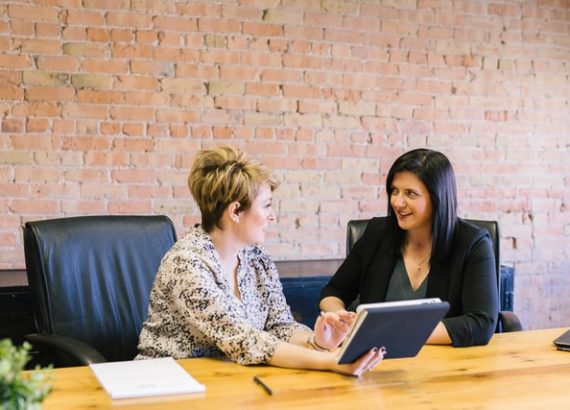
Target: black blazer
<point>466,279</point>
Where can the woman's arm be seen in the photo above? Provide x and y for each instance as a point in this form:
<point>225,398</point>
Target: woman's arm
<point>439,336</point>
<point>297,357</point>
<point>332,304</point>
<point>479,297</point>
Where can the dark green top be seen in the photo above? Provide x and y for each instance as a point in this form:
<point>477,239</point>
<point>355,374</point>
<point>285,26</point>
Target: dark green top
<point>400,287</point>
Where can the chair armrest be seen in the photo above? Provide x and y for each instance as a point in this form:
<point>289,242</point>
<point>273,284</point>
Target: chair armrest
<point>80,353</point>
<point>509,322</point>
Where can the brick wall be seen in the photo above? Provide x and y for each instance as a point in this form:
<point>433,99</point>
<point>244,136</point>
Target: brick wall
<point>105,102</point>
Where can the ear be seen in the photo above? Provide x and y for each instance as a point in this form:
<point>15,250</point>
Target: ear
<point>233,211</point>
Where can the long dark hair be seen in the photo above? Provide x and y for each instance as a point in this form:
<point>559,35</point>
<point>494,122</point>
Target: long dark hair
<point>436,173</point>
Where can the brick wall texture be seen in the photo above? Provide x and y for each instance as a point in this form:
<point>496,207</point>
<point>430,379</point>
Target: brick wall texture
<point>105,102</point>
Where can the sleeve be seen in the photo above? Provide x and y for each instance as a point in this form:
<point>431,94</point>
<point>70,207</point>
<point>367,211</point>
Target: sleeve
<point>479,298</point>
<point>280,320</point>
<point>345,283</point>
<point>219,318</point>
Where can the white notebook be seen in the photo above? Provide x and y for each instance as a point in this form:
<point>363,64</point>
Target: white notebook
<point>145,378</point>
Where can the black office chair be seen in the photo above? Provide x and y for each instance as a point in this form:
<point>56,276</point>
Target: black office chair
<point>90,279</point>
<point>508,321</point>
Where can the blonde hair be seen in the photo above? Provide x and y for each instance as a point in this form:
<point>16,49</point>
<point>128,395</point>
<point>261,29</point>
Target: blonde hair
<point>222,175</point>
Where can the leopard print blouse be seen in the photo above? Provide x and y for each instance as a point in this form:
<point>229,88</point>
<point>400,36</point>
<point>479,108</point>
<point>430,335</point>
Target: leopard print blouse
<point>193,313</point>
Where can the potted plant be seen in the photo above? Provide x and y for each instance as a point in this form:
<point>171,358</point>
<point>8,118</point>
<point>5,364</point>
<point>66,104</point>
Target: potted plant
<point>20,390</point>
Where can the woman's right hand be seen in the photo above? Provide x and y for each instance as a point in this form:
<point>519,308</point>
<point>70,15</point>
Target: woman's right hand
<point>331,328</point>
<point>367,361</point>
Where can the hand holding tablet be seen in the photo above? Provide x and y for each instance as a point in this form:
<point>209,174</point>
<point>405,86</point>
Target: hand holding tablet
<point>401,327</point>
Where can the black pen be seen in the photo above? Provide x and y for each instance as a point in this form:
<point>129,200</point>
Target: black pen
<point>265,387</point>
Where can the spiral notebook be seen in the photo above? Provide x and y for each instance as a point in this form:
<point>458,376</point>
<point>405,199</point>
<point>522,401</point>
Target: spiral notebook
<point>401,327</point>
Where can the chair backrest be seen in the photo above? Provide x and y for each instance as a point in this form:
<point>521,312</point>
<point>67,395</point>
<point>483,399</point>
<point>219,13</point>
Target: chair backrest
<point>91,276</point>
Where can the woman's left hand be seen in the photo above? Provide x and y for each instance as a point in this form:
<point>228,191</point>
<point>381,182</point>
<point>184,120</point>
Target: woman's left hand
<point>331,328</point>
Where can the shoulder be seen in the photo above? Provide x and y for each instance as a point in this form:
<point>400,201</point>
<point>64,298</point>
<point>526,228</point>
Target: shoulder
<point>191,245</point>
<point>467,231</point>
<point>468,235</point>
<point>192,254</point>
<point>375,235</point>
<point>378,223</point>
<point>378,230</point>
<point>258,257</point>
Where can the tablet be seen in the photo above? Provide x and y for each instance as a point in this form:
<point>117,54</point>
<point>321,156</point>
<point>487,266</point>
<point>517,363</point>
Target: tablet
<point>401,327</point>
<point>562,342</point>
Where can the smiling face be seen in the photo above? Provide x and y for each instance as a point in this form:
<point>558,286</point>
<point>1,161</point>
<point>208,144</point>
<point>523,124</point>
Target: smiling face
<point>411,202</point>
<point>257,218</point>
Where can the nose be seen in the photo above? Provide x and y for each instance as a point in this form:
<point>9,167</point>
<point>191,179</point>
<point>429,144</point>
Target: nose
<point>271,216</point>
<point>398,200</point>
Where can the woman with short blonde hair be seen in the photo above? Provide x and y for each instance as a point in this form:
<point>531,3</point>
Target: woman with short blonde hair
<point>217,291</point>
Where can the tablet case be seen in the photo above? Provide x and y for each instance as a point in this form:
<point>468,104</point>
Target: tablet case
<point>562,342</point>
<point>401,327</point>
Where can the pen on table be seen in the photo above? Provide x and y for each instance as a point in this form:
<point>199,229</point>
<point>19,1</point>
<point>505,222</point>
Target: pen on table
<point>265,387</point>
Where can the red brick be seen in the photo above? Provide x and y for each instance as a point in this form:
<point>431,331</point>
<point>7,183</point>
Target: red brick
<point>86,143</point>
<point>34,13</point>
<point>128,51</point>
<point>110,159</point>
<point>262,29</point>
<point>13,126</point>
<point>304,32</point>
<point>13,61</point>
<point>50,93</point>
<point>145,82</point>
<point>104,66</point>
<point>74,34</point>
<point>234,102</point>
<point>262,59</point>
<point>126,113</point>
<point>34,125</point>
<point>83,207</point>
<point>12,190</point>
<point>22,28</point>
<point>122,35</point>
<point>85,18</point>
<point>99,97</point>
<point>58,63</point>
<point>145,98</point>
<point>281,76</point>
<point>134,129</point>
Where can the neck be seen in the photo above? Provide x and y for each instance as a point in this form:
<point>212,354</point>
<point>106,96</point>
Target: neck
<point>227,248</point>
<point>417,240</point>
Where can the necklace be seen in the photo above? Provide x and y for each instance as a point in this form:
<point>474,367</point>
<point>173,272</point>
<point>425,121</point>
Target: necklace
<point>421,264</point>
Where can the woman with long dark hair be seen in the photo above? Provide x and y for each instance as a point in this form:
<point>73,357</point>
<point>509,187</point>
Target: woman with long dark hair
<point>422,249</point>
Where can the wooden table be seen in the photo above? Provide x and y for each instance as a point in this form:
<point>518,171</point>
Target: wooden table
<point>515,371</point>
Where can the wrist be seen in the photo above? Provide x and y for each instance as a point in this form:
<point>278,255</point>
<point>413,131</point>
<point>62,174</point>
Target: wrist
<point>312,343</point>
